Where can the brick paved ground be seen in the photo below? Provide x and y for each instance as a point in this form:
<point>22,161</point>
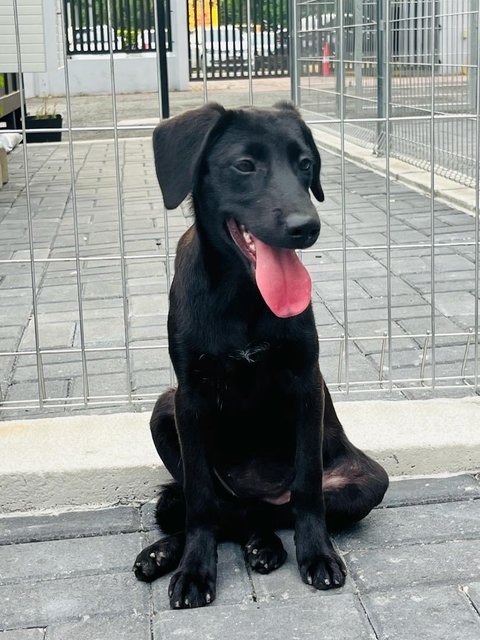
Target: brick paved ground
<point>146,280</point>
<point>414,574</point>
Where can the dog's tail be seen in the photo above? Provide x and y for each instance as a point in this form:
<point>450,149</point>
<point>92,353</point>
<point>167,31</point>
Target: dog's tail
<point>170,512</point>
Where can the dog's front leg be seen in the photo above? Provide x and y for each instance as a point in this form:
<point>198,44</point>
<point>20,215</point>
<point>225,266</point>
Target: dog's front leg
<point>319,564</point>
<point>193,584</point>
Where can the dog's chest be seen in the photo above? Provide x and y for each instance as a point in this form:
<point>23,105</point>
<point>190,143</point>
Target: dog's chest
<point>242,377</point>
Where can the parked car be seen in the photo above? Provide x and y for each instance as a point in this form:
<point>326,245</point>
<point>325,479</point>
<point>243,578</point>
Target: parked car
<point>92,39</point>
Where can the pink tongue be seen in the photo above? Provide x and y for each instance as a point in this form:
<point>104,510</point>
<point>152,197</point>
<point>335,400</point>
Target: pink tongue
<point>282,280</point>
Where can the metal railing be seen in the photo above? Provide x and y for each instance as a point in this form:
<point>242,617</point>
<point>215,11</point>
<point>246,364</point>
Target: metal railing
<point>226,43</point>
<point>132,28</point>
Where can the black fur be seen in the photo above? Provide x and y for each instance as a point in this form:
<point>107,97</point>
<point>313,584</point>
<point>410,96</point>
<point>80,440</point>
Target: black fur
<point>250,436</point>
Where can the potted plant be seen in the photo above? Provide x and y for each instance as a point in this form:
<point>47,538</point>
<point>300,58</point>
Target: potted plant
<point>45,118</point>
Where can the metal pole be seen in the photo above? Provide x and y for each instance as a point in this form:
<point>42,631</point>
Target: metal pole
<point>380,77</point>
<point>293,40</point>
<point>432,187</point>
<point>358,19</point>
<point>161,54</point>
<point>249,54</point>
<point>477,206</point>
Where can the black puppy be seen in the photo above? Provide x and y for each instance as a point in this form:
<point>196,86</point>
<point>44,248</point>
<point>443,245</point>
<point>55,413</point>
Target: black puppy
<point>250,435</point>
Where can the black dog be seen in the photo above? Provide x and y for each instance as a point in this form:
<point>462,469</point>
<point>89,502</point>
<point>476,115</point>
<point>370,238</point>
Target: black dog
<point>250,435</point>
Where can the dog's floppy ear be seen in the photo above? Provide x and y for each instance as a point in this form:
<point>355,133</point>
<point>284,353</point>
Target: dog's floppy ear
<point>177,144</point>
<point>316,186</point>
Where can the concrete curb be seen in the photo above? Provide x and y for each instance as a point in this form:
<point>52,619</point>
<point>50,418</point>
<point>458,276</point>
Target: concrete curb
<point>445,190</point>
<point>106,459</point>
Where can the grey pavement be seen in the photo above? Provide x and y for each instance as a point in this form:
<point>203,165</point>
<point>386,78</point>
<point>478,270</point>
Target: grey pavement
<point>117,379</point>
<point>414,574</point>
<point>414,570</point>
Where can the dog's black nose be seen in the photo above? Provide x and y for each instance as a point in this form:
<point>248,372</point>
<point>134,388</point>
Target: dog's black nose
<point>303,229</point>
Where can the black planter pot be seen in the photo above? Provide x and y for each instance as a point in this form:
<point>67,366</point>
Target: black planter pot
<point>51,122</point>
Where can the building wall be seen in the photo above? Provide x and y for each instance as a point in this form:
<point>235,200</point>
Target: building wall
<point>90,74</point>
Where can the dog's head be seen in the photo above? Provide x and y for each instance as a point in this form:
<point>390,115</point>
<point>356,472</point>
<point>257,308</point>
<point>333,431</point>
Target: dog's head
<point>250,171</point>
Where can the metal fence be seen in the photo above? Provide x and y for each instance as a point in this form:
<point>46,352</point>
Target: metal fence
<point>132,25</point>
<point>86,247</point>
<point>407,59</point>
<point>234,39</point>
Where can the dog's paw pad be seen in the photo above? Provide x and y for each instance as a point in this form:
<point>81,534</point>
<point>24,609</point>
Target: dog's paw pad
<point>324,572</point>
<point>265,553</point>
<point>189,590</point>
<point>158,559</point>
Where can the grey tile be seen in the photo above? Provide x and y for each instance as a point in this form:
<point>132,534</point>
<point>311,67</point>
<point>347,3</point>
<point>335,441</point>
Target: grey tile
<point>23,634</point>
<point>420,524</point>
<point>73,524</point>
<point>34,604</point>
<point>62,558</point>
<point>416,564</point>
<point>302,620</point>
<point>428,613</point>
<point>134,627</point>
<point>427,490</point>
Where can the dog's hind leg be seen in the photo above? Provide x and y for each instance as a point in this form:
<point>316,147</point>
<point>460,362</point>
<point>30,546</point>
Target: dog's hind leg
<point>353,483</point>
<point>165,436</point>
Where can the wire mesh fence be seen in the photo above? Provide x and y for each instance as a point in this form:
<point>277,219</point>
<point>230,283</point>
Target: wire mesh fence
<point>428,66</point>
<point>86,247</point>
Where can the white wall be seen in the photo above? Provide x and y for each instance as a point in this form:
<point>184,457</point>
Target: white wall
<point>90,74</point>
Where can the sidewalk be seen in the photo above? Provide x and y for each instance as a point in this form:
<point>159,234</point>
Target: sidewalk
<point>414,574</point>
<point>414,568</point>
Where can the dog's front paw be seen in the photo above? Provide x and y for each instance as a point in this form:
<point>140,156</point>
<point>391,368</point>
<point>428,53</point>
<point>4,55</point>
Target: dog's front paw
<point>323,571</point>
<point>265,553</point>
<point>190,589</point>
<point>159,558</point>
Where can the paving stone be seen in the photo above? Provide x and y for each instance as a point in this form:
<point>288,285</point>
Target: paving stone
<point>416,564</point>
<point>62,558</point>
<point>72,524</point>
<point>302,620</point>
<point>135,627</point>
<point>285,583</point>
<point>377,287</point>
<point>23,634</point>
<point>53,334</point>
<point>420,524</point>
<point>141,305</point>
<point>35,604</point>
<point>233,584</point>
<point>473,592</point>
<point>455,304</point>
<point>148,516</point>
<point>431,490</point>
<point>429,613</point>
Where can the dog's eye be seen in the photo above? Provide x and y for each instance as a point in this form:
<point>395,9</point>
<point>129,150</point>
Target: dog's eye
<point>305,164</point>
<point>245,166</point>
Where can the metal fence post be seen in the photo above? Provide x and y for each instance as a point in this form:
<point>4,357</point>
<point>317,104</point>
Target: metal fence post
<point>161,51</point>
<point>474,61</point>
<point>358,48</point>
<point>293,48</point>
<point>340,59</point>
<point>379,147</point>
